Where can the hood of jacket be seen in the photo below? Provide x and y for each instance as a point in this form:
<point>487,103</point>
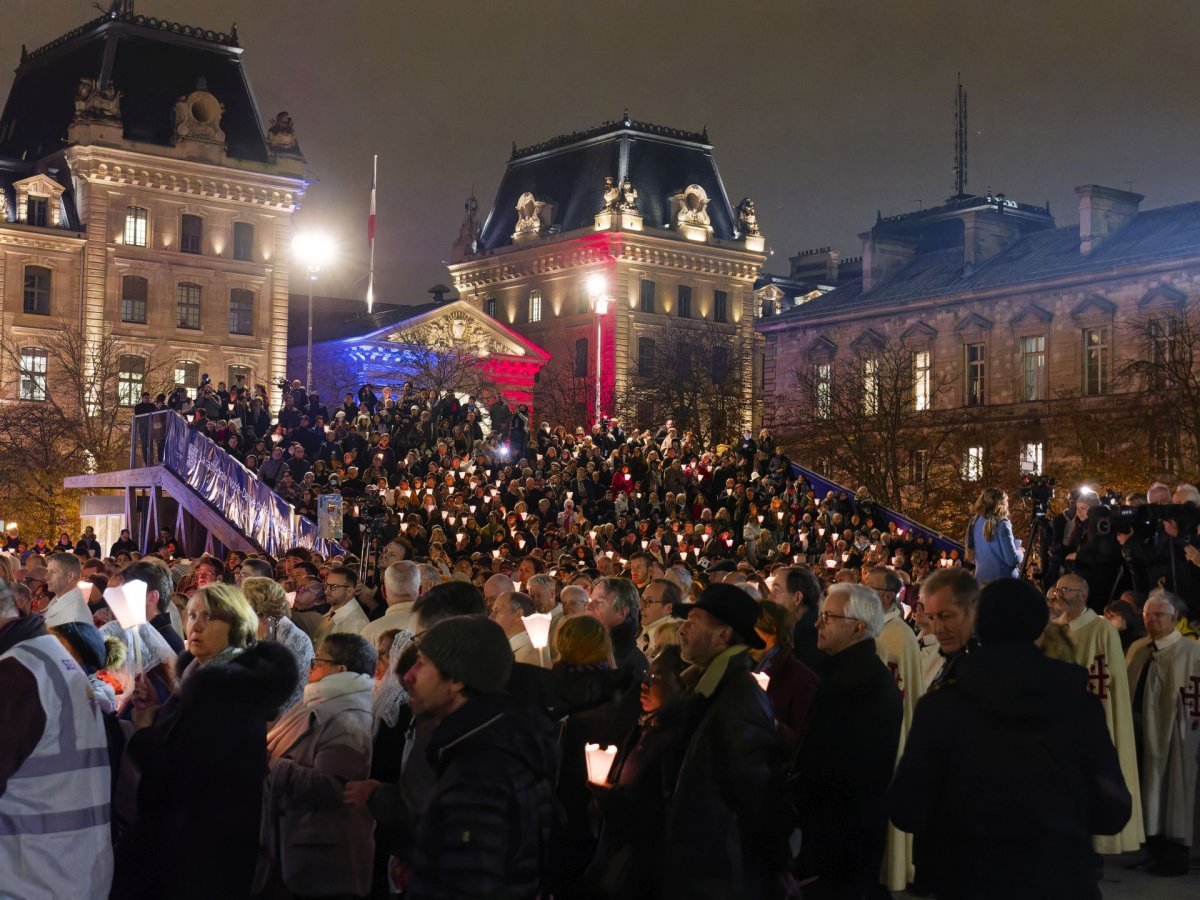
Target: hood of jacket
<point>1015,681</point>
<point>260,679</point>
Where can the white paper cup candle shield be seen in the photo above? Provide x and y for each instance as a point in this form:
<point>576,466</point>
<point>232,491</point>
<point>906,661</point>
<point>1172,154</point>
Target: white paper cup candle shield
<point>599,762</point>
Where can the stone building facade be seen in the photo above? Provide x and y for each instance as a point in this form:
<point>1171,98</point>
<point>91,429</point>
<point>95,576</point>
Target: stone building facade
<point>644,208</point>
<point>1025,326</point>
<point>143,197</point>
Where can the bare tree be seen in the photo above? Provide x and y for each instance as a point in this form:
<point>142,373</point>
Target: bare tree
<point>563,395</point>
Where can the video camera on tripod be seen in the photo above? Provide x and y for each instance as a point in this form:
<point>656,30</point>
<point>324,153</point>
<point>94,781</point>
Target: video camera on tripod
<point>1145,518</point>
<point>1039,490</point>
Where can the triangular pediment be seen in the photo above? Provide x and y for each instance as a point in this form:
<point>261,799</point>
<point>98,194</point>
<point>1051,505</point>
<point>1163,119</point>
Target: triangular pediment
<point>973,322</point>
<point>1094,305</point>
<point>1163,296</point>
<point>822,348</point>
<point>869,340</point>
<point>771,292</point>
<point>1032,314</point>
<point>39,185</point>
<point>918,333</point>
<point>461,327</point>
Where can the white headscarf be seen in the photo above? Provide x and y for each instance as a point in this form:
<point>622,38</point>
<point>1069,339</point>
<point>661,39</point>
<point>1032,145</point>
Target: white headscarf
<point>390,694</point>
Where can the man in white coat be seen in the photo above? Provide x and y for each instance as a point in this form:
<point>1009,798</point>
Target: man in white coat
<point>62,580</point>
<point>898,649</point>
<point>345,616</point>
<point>1097,646</point>
<point>1164,669</point>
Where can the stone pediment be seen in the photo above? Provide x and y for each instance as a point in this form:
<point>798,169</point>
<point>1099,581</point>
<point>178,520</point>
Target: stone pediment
<point>1163,296</point>
<point>919,333</point>
<point>1094,306</point>
<point>870,340</point>
<point>39,186</point>
<point>1032,314</point>
<point>973,322</point>
<point>460,328</point>
<point>822,348</point>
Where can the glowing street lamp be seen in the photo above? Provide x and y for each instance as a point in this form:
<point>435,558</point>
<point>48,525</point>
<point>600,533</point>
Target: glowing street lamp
<point>312,249</point>
<point>597,295</point>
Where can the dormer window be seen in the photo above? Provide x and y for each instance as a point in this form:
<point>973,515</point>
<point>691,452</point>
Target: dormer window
<point>39,201</point>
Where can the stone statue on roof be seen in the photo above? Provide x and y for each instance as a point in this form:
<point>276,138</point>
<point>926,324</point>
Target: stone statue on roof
<point>529,213</point>
<point>747,217</point>
<point>281,136</point>
<point>97,103</point>
<point>612,195</point>
<point>629,196</point>
<point>693,206</point>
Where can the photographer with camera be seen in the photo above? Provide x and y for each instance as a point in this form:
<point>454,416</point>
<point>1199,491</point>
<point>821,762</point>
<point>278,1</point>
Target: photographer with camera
<point>1096,557</point>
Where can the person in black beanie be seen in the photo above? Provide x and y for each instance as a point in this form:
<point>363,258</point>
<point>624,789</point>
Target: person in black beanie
<point>484,829</point>
<point>1009,770</point>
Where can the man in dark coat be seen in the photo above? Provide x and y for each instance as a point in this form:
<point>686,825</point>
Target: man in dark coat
<point>841,771</point>
<point>1009,770</point>
<point>722,837</point>
<point>483,831</point>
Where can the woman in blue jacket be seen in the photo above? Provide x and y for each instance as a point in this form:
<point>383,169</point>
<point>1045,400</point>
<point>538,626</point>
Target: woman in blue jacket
<point>996,553</point>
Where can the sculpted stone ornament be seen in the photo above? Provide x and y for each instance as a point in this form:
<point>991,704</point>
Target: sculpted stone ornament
<point>94,103</point>
<point>529,214</point>
<point>693,206</point>
<point>612,195</point>
<point>281,136</point>
<point>629,197</point>
<point>456,332</point>
<point>198,118</point>
<point>747,218</point>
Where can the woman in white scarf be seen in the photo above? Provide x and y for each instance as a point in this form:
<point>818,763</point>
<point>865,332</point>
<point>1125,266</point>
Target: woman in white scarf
<point>320,846</point>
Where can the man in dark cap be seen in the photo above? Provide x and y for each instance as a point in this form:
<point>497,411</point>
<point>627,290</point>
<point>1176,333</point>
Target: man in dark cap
<point>1009,770</point>
<point>722,838</point>
<point>484,829</point>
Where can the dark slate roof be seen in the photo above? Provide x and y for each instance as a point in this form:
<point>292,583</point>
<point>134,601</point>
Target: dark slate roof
<point>1157,234</point>
<point>336,319</point>
<point>570,170</point>
<point>152,62</point>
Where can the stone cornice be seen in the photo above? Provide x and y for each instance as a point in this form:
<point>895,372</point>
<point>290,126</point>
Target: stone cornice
<point>590,249</point>
<point>185,178</point>
<point>38,239</point>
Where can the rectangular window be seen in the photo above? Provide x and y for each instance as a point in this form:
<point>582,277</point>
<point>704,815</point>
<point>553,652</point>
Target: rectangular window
<point>918,466</point>
<point>921,380</point>
<point>135,226</point>
<point>187,306</point>
<point>131,376</point>
<point>685,302</point>
<point>243,240</point>
<point>134,290</point>
<point>720,306</point>
<point>1033,368</point>
<point>976,374</point>
<point>1031,458</point>
<point>241,311</point>
<point>535,306</point>
<point>191,234</point>
<point>871,387</point>
<point>645,356</point>
<point>646,295</point>
<point>1095,361</point>
<point>237,377</point>
<point>972,467</point>
<point>37,211</point>
<point>720,364</point>
<point>581,358</point>
<point>489,307</point>
<point>187,374</point>
<point>33,373</point>
<point>823,379</point>
<point>37,290</point>
<point>1162,333</point>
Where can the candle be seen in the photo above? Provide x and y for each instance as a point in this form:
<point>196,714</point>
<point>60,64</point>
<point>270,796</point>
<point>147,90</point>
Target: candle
<point>599,762</point>
<point>538,626</point>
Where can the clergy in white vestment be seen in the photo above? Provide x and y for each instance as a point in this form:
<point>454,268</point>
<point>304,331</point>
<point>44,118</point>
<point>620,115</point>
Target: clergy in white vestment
<point>507,612</point>
<point>1097,647</point>
<point>898,649</point>
<point>1164,670</point>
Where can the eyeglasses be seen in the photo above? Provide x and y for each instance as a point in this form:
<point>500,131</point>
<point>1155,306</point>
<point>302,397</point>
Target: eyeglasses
<point>322,659</point>
<point>824,617</point>
<point>334,584</point>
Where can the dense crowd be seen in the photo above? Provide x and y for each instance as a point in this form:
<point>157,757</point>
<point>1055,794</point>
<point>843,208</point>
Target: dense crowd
<point>594,665</point>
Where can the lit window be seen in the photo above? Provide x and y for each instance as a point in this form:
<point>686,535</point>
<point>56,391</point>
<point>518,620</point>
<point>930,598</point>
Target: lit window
<point>187,374</point>
<point>1095,361</point>
<point>823,379</point>
<point>1033,367</point>
<point>535,306</point>
<point>1031,458</point>
<point>187,306</point>
<point>33,373</point>
<point>134,290</point>
<point>871,387</point>
<point>921,380</point>
<point>972,467</point>
<point>241,311</point>
<point>135,226</point>
<point>976,374</point>
<point>238,377</point>
<point>131,376</point>
<point>37,290</point>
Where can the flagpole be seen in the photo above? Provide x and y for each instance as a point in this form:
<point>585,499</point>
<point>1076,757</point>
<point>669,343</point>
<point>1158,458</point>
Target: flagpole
<point>371,237</point>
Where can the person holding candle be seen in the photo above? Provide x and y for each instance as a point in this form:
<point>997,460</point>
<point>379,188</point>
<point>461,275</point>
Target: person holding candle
<point>792,684</point>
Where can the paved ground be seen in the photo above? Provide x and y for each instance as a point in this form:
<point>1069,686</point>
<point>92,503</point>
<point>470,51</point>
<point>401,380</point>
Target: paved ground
<point>1124,884</point>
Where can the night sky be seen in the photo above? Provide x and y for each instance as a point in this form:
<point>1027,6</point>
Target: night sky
<point>822,111</point>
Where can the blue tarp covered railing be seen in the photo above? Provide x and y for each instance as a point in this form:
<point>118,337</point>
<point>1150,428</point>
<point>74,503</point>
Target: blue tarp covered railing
<point>231,489</point>
<point>822,486</point>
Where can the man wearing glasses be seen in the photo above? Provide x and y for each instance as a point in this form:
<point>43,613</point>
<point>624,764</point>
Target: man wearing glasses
<point>840,774</point>
<point>1097,647</point>
<point>345,615</point>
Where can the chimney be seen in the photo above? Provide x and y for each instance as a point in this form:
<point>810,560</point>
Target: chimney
<point>883,255</point>
<point>1103,211</point>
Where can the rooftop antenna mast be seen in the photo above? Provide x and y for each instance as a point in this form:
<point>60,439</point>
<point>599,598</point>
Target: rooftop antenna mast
<point>960,139</point>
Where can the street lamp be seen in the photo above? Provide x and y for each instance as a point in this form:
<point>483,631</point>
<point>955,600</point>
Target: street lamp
<point>313,249</point>
<point>596,288</point>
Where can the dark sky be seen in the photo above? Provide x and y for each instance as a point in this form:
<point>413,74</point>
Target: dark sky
<point>823,111</point>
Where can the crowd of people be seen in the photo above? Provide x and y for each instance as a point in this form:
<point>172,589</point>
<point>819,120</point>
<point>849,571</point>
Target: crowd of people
<point>742,690</point>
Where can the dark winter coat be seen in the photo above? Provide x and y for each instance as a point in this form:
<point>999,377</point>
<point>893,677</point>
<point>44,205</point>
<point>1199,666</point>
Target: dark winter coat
<point>203,763</point>
<point>484,830</point>
<point>841,771</point>
<point>721,835</point>
<point>1007,773</point>
<point>792,689</point>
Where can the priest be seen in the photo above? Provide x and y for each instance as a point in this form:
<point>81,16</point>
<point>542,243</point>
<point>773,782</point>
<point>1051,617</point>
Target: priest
<point>1097,646</point>
<point>1164,669</point>
<point>897,649</point>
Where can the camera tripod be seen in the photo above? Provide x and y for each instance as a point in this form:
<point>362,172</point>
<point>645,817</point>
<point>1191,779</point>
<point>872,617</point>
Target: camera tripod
<point>1039,538</point>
